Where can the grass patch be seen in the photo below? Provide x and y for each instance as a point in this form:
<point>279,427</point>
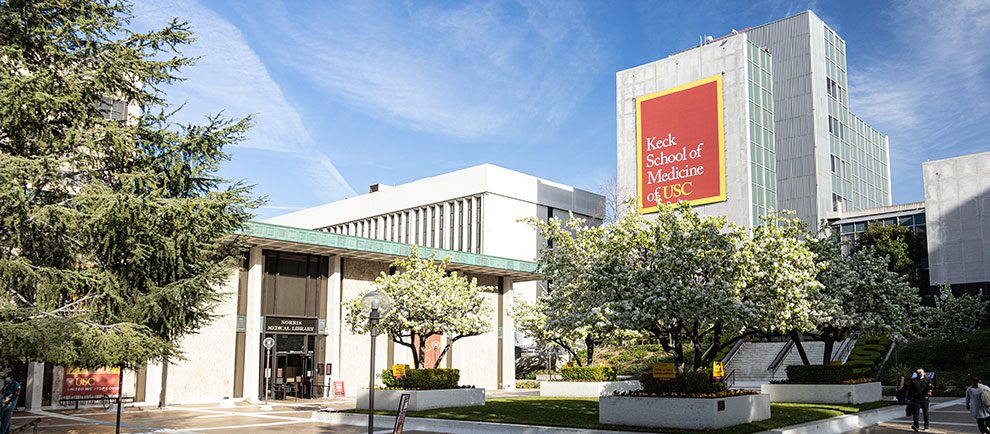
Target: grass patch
<point>583,413</point>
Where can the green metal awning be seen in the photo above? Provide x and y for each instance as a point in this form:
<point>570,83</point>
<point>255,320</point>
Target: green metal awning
<point>269,236</point>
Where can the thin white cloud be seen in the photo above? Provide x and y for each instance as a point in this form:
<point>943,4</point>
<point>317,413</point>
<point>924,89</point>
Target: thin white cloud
<point>931,94</point>
<point>230,77</point>
<point>467,70</point>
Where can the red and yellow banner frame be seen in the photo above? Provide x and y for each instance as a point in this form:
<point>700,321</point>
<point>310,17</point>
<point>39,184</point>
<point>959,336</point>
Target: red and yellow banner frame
<point>675,96</point>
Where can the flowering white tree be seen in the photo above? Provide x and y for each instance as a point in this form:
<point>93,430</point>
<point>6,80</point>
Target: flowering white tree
<point>426,302</point>
<point>531,320</point>
<point>680,280</point>
<point>859,293</point>
<point>575,304</point>
<point>781,292</point>
<point>951,315</point>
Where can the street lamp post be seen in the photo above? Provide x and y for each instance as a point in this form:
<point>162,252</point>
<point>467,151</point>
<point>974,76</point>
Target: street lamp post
<point>376,303</point>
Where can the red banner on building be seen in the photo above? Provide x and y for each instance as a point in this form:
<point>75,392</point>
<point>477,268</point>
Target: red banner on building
<point>680,145</point>
<point>91,382</point>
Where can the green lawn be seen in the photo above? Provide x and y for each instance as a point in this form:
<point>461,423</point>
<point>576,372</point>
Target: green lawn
<point>583,413</point>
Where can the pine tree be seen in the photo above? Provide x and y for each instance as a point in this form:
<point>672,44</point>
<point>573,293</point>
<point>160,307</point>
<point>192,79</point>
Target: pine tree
<point>114,224</point>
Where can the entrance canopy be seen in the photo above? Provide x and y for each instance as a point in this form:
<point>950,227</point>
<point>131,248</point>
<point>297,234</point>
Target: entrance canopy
<point>316,242</point>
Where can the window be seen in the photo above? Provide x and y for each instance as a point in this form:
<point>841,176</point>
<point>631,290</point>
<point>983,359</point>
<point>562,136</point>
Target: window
<point>838,203</point>
<point>292,283</point>
<point>832,87</point>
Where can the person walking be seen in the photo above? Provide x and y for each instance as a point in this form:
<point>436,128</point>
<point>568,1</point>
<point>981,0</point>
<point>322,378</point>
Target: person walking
<point>919,393</point>
<point>8,400</point>
<point>976,404</point>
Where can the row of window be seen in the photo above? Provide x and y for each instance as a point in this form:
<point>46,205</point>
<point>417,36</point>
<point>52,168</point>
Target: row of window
<point>763,159</point>
<point>451,225</point>
<point>858,157</point>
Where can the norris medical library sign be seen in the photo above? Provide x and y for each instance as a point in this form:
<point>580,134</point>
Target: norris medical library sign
<point>278,324</point>
<point>680,145</point>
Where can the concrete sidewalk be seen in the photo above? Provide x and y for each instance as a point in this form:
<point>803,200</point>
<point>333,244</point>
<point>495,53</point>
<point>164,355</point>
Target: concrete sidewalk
<point>946,416</point>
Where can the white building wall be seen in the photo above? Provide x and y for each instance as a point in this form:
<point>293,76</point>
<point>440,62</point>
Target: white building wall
<point>957,211</point>
<point>207,373</point>
<point>355,349</point>
<point>727,57</point>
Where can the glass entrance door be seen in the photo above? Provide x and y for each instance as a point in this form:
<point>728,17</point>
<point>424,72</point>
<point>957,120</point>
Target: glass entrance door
<point>292,366</point>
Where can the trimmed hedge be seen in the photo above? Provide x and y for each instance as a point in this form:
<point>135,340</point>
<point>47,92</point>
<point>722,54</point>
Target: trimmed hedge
<point>821,374</point>
<point>588,373</point>
<point>699,384</point>
<point>423,379</point>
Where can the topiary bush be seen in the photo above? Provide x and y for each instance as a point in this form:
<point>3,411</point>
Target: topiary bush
<point>587,373</point>
<point>422,379</point>
<point>823,374</point>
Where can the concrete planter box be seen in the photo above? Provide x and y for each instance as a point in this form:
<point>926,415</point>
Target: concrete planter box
<point>423,399</point>
<point>824,393</point>
<point>586,389</point>
<point>687,413</point>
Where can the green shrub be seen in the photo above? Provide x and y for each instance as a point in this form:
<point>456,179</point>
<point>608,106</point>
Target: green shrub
<point>527,384</point>
<point>821,374</point>
<point>685,383</point>
<point>631,359</point>
<point>588,373</point>
<point>872,347</point>
<point>422,379</point>
<point>856,364</point>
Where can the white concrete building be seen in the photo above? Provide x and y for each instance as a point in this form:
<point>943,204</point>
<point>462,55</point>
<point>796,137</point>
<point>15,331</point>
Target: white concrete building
<point>747,99</point>
<point>478,209</point>
<point>791,141</point>
<point>957,208</point>
<point>291,286</point>
<point>953,222</point>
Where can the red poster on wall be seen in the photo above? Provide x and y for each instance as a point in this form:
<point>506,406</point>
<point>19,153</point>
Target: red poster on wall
<point>680,145</point>
<point>90,382</point>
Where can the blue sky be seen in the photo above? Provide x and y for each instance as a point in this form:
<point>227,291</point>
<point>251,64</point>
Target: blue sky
<point>350,93</point>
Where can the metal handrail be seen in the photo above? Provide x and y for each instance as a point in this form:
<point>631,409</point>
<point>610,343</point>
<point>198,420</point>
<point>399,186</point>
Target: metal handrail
<point>730,380</point>
<point>732,351</point>
<point>777,361</point>
<point>845,348</point>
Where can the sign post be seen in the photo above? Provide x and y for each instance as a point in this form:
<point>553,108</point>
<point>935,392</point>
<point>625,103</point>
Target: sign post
<point>269,344</point>
<point>400,417</point>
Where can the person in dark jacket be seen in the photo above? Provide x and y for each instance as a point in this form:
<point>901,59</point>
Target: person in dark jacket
<point>919,392</point>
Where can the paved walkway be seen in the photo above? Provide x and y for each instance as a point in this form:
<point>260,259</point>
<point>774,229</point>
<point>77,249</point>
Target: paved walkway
<point>951,419</point>
<point>284,416</point>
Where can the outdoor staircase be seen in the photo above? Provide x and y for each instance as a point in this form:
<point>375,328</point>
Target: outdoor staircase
<point>751,362</point>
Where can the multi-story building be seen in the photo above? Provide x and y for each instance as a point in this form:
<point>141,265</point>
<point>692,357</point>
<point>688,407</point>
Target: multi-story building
<point>479,210</point>
<point>828,159</point>
<point>698,126</point>
<point>790,140</point>
<point>953,222</point>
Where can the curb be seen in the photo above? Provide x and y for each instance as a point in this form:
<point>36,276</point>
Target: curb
<point>849,422</point>
<point>385,423</point>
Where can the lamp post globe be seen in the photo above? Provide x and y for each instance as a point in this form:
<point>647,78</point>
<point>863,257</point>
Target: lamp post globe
<point>376,304</point>
<point>376,300</point>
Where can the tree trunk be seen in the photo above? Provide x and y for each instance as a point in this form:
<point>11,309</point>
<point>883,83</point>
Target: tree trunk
<point>589,343</point>
<point>676,344</point>
<point>421,360</point>
<point>796,338</point>
<point>830,339</point>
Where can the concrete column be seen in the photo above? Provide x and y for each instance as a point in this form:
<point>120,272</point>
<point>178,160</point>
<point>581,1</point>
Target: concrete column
<point>507,336</point>
<point>33,386</point>
<point>152,384</point>
<point>253,329</point>
<point>334,321</point>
